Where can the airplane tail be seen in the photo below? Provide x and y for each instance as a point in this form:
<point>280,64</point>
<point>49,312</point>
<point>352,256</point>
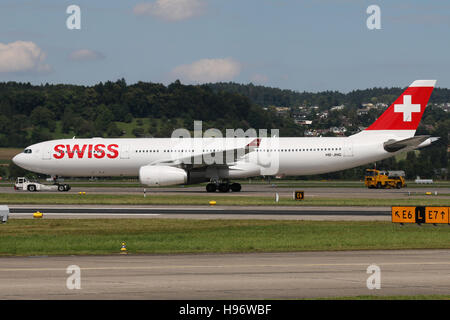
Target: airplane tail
<point>403,116</point>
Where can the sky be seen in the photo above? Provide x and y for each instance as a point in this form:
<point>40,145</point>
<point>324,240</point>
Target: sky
<point>302,45</point>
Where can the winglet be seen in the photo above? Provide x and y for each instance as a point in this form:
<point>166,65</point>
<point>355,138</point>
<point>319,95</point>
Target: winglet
<point>255,143</point>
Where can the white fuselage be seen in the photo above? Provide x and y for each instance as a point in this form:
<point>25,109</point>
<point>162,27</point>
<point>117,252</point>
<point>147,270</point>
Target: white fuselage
<point>274,156</point>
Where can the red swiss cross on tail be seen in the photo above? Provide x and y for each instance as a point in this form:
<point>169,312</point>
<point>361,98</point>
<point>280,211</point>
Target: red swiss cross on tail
<point>405,113</point>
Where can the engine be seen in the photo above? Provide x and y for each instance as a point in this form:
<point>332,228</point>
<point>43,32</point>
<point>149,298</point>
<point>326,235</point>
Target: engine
<point>162,175</point>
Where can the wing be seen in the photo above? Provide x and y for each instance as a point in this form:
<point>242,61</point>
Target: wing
<point>222,158</point>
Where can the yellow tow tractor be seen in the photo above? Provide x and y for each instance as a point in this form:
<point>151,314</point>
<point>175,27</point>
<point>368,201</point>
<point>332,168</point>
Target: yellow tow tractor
<point>382,179</point>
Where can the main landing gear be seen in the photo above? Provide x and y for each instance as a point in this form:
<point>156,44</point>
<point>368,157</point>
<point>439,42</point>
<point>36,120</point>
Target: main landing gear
<point>223,186</point>
<point>61,187</point>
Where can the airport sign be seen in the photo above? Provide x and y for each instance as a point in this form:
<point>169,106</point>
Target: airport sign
<point>420,214</point>
<point>437,215</point>
<point>404,214</point>
<point>299,195</point>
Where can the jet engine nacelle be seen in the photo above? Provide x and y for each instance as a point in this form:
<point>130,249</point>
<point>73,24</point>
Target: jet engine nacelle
<point>162,176</point>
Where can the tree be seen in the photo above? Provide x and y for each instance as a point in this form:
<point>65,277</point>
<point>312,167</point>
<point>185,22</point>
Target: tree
<point>103,119</point>
<point>40,134</point>
<point>4,124</point>
<point>113,131</point>
<point>43,117</point>
<point>67,120</point>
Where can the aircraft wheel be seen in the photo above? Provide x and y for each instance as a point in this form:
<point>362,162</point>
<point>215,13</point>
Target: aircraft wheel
<point>211,187</point>
<point>235,187</point>
<point>224,187</point>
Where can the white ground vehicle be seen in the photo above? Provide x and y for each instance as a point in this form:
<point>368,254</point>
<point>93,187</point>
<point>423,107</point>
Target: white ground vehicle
<point>23,183</point>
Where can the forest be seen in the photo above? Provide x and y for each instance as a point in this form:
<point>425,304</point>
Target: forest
<point>30,114</point>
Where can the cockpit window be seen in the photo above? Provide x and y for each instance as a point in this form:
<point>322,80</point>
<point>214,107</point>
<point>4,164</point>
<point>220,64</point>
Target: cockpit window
<point>27,151</point>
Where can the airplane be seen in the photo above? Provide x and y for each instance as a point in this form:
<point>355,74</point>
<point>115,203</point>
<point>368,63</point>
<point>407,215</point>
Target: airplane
<point>175,161</point>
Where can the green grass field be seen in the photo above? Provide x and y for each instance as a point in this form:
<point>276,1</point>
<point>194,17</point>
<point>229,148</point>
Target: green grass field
<point>7,154</point>
<point>228,200</point>
<point>104,236</point>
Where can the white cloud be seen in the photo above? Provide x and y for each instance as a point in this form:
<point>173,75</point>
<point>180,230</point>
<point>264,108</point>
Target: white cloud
<point>22,56</point>
<point>86,55</point>
<point>208,70</point>
<point>171,10</point>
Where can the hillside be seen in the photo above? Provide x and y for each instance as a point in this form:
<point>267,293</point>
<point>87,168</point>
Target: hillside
<point>268,96</point>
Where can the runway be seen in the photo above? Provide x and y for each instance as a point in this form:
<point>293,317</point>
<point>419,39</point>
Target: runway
<point>227,276</point>
<point>204,212</point>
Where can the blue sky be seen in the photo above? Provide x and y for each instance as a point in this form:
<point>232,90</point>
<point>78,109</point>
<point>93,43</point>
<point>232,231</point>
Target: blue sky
<point>291,44</point>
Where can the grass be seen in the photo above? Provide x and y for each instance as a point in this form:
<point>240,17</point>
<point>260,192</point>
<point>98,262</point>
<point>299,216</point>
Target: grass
<point>8,153</point>
<point>229,200</point>
<point>171,236</point>
<point>128,127</point>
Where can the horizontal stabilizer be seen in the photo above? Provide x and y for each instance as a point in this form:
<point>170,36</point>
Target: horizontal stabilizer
<point>396,145</point>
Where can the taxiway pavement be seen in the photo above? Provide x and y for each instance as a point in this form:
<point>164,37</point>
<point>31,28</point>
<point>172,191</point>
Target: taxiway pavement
<point>204,212</point>
<point>227,276</point>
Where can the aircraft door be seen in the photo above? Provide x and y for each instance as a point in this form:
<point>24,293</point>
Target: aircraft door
<point>124,152</point>
<point>348,149</point>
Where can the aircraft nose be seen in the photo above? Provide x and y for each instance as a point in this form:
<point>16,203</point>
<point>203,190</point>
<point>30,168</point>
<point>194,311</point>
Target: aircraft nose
<point>18,160</point>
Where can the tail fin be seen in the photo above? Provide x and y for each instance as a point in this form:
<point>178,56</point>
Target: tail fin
<point>405,113</point>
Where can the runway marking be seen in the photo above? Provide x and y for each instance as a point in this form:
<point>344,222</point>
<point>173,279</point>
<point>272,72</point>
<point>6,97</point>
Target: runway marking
<point>233,266</point>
